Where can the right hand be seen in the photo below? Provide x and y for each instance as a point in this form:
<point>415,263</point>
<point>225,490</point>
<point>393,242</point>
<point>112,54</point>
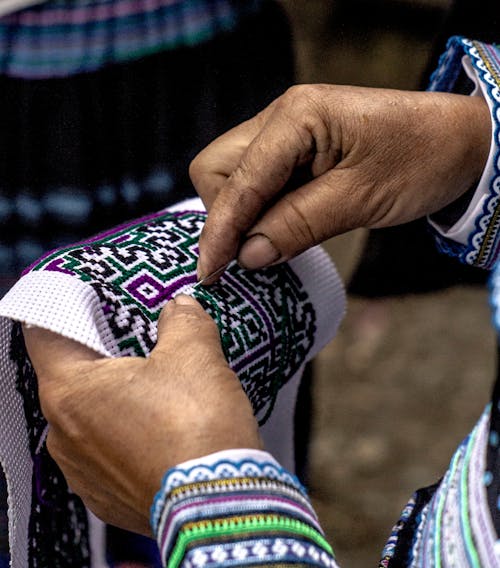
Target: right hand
<point>376,157</point>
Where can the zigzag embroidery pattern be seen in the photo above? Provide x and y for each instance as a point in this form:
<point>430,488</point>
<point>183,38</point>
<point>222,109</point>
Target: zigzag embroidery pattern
<point>265,318</point>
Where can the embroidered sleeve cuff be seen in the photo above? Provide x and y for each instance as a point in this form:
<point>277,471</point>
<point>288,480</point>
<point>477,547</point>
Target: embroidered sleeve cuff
<point>236,508</point>
<point>474,237</point>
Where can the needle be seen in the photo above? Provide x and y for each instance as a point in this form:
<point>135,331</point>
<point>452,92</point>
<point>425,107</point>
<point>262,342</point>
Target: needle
<point>210,276</point>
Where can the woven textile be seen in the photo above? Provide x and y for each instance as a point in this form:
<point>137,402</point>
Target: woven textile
<point>451,523</point>
<point>107,293</point>
<point>62,37</point>
<point>237,512</point>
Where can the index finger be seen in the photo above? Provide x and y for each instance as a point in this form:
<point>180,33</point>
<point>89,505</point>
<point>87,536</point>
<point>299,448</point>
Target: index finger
<point>262,171</point>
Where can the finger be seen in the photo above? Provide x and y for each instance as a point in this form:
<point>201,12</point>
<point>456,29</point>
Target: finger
<point>212,166</point>
<point>327,206</point>
<point>184,325</point>
<point>51,353</point>
<point>283,144</point>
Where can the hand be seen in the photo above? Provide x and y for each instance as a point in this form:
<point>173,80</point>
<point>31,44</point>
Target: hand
<point>117,425</point>
<point>375,158</point>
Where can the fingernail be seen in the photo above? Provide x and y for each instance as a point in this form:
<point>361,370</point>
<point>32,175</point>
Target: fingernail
<point>257,252</point>
<point>199,271</point>
<point>169,306</point>
<point>183,300</point>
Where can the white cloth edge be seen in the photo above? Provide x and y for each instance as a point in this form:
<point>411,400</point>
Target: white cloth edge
<point>235,454</point>
<point>79,300</point>
<point>320,278</point>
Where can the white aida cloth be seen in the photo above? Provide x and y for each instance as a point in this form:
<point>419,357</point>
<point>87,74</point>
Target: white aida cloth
<point>74,292</point>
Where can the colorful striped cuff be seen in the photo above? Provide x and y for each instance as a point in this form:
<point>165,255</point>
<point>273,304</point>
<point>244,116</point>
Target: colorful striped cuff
<point>236,513</point>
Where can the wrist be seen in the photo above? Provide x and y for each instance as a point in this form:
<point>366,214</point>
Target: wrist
<point>475,114</point>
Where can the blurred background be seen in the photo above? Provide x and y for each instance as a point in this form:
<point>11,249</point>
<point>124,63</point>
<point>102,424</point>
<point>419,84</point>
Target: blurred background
<point>92,140</point>
<point>408,374</point>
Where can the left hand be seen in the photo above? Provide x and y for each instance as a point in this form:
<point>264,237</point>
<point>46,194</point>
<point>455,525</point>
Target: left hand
<point>117,425</point>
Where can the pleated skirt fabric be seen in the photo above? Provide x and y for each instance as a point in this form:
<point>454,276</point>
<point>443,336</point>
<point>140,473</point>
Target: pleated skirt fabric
<point>103,104</point>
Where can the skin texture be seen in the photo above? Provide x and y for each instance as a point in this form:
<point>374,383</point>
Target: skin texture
<point>322,160</point>
<point>117,425</point>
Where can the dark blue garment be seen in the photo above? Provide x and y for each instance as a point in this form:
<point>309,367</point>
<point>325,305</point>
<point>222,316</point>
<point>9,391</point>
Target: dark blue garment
<point>125,546</point>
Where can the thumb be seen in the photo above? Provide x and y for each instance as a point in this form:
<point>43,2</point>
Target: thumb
<point>305,217</point>
<point>184,325</point>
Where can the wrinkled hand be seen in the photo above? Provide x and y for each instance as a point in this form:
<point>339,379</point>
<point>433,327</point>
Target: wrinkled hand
<point>116,425</point>
<point>374,158</point>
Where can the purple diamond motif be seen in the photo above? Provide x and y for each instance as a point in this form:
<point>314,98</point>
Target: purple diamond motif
<point>150,292</point>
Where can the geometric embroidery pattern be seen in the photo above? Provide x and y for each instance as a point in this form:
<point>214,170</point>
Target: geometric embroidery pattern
<point>58,527</point>
<point>265,319</point>
<point>274,552</point>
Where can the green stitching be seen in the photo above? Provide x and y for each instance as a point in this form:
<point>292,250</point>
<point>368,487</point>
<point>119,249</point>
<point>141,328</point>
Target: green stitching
<point>230,527</point>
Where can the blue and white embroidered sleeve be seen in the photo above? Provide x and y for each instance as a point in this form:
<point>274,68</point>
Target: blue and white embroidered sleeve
<point>475,237</point>
<point>236,508</point>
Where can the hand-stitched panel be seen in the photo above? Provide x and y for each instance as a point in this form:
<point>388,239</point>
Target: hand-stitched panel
<point>265,319</point>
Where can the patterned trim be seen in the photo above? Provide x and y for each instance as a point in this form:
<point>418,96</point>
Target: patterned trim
<point>236,519</point>
<point>455,528</point>
<point>64,37</point>
<point>392,541</point>
<point>286,551</point>
<point>237,474</point>
<point>234,527</point>
<point>483,244</point>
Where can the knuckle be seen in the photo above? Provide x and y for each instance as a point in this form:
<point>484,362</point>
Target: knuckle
<point>188,317</point>
<point>196,168</point>
<point>304,112</point>
<point>296,92</point>
<point>50,402</point>
<point>53,446</point>
<point>302,97</point>
<point>244,196</point>
<point>60,410</point>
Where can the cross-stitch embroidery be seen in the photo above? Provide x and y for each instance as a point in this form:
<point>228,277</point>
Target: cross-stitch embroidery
<point>265,320</point>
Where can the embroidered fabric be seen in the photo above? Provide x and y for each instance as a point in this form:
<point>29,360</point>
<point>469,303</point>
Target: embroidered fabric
<point>483,242</point>
<point>58,38</point>
<point>237,515</point>
<point>452,523</point>
<point>222,469</point>
<point>107,293</point>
